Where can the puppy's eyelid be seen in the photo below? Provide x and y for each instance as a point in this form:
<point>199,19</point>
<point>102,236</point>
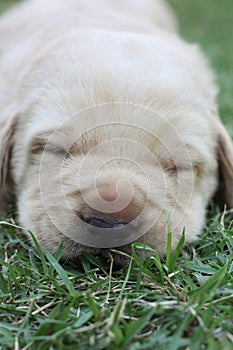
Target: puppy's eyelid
<point>172,168</point>
<point>40,146</point>
<point>175,168</point>
<point>168,165</point>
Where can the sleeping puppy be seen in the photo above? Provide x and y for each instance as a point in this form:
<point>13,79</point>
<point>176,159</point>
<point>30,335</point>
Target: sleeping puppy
<point>109,128</point>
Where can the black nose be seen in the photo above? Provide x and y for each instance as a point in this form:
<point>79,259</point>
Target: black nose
<point>104,224</point>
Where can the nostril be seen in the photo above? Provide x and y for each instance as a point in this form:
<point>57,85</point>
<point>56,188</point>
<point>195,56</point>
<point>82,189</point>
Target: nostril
<point>104,224</point>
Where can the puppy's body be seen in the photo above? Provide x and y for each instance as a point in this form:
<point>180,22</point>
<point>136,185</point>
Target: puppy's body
<point>96,93</point>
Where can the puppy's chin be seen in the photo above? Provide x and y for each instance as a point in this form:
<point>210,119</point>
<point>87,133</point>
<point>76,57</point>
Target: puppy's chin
<point>72,252</point>
<point>120,256</point>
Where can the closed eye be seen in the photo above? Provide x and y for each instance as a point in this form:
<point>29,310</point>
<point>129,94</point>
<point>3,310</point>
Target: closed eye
<point>173,168</point>
<point>39,146</point>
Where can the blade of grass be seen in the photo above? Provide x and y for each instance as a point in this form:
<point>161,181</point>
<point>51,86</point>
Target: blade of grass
<point>169,241</point>
<point>177,252</point>
<point>62,273</point>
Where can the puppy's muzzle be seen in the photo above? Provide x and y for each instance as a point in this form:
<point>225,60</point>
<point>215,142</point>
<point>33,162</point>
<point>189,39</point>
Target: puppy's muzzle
<point>109,216</point>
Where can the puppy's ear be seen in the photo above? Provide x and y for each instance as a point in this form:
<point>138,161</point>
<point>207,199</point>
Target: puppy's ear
<point>225,161</point>
<point>7,127</point>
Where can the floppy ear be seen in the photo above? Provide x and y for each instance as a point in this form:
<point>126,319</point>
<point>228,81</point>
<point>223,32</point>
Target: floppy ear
<point>225,161</point>
<point>7,126</point>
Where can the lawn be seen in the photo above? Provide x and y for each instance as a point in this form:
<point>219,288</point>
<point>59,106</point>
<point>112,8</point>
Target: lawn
<point>184,302</point>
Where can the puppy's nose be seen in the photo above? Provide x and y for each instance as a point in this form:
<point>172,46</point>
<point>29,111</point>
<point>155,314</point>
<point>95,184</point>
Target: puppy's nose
<point>112,197</point>
<point>97,222</point>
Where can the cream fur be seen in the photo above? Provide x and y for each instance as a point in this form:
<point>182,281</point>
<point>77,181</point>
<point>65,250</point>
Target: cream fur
<point>98,96</point>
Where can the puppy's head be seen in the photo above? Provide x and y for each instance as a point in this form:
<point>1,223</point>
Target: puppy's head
<point>102,175</point>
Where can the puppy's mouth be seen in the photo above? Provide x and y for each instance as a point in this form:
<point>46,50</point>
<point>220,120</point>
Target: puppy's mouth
<point>100,231</point>
<point>97,222</point>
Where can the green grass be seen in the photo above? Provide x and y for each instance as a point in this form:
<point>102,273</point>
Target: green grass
<point>5,4</point>
<point>185,302</point>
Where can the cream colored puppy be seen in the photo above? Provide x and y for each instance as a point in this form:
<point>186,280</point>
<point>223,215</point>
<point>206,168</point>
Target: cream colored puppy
<point>108,125</point>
